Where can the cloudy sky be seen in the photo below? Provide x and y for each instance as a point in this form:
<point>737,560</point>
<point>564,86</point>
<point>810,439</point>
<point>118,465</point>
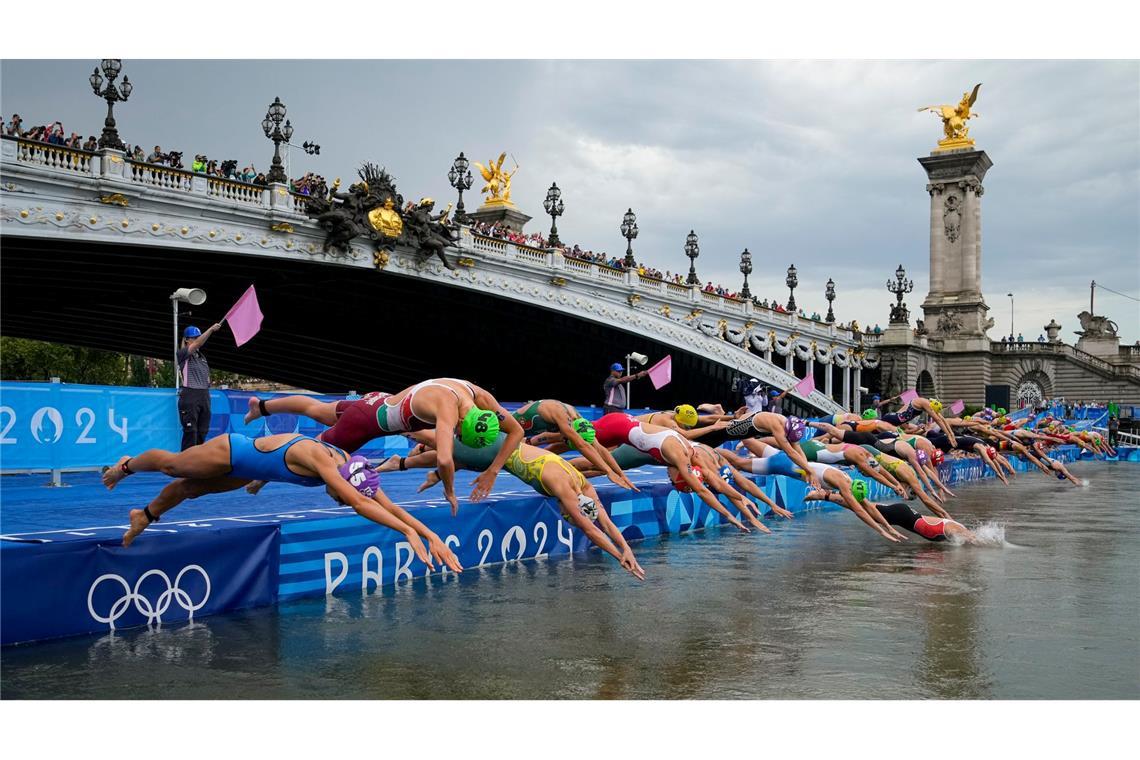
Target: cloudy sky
<point>805,162</point>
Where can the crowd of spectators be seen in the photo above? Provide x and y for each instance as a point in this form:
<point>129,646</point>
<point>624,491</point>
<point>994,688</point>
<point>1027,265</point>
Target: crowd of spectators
<point>52,134</point>
<point>501,232</point>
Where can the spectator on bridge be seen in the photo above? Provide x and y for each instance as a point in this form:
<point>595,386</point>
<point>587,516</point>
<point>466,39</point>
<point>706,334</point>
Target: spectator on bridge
<point>1020,338</point>
<point>199,164</point>
<point>138,154</point>
<point>249,173</point>
<point>194,395</point>
<point>1003,340</point>
<point>615,394</point>
<point>1041,338</point>
<point>157,156</point>
<point>91,144</point>
<point>755,397</point>
<point>878,330</point>
<point>14,129</point>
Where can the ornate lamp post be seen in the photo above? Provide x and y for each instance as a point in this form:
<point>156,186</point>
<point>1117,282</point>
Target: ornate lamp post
<point>629,232</point>
<point>791,281</point>
<point>829,294</point>
<point>692,250</point>
<point>900,315</point>
<point>745,269</point>
<point>553,205</point>
<point>311,148</point>
<point>112,94</point>
<point>460,178</point>
<point>271,125</point>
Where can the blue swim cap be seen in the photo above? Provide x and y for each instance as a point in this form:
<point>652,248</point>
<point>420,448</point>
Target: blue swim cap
<point>191,332</point>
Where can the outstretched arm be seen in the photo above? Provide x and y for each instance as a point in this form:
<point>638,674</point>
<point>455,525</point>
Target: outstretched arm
<point>507,422</point>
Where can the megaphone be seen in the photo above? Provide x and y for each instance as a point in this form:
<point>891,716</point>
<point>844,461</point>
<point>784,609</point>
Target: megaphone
<point>192,296</point>
<point>641,359</point>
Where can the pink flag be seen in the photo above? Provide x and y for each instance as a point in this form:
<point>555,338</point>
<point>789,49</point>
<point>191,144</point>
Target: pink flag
<point>805,387</point>
<point>908,396</point>
<point>661,373</point>
<point>958,407</point>
<point>244,318</point>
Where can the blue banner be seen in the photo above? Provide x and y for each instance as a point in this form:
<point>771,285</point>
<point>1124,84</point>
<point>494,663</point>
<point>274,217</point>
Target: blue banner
<point>73,587</point>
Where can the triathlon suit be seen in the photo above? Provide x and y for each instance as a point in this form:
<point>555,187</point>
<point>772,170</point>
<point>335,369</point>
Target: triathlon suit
<point>817,452</point>
<point>902,516</point>
<point>401,418</point>
<point>533,423</point>
<point>890,465</point>
<point>355,423</point>
<point>528,471</point>
<point>247,462</point>
<point>859,438</point>
<point>617,428</point>
<point>627,457</point>
<point>903,415</point>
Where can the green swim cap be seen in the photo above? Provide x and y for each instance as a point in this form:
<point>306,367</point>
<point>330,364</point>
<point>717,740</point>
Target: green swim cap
<point>480,428</point>
<point>859,490</point>
<point>584,428</point>
<point>870,414</point>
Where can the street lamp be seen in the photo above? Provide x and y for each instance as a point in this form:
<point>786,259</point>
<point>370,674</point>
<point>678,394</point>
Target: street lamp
<point>459,176</point>
<point>112,94</point>
<point>629,232</point>
<point>194,297</point>
<point>791,281</point>
<point>692,250</point>
<point>830,296</point>
<point>745,269</point>
<point>553,205</point>
<point>271,125</point>
<point>1011,333</point>
<point>900,315</point>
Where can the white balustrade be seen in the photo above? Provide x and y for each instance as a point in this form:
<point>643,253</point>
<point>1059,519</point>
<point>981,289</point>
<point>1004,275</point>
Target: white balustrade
<point>238,192</point>
<point>54,156</point>
<point>160,176</point>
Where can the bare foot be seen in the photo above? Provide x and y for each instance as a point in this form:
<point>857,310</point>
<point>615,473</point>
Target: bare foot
<point>431,479</point>
<point>254,410</point>
<point>138,525</point>
<point>112,475</point>
<point>391,464</point>
<point>254,486</point>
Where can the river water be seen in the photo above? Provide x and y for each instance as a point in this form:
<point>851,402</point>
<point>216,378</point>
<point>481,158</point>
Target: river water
<point>821,609</point>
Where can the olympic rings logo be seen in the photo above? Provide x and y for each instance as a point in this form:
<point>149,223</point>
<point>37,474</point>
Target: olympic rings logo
<point>152,612</point>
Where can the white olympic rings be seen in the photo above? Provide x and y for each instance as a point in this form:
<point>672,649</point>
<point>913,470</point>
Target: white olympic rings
<point>153,613</point>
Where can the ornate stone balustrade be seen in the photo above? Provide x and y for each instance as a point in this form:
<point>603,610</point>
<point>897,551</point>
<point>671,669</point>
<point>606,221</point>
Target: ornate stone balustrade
<point>1089,360</point>
<point>53,156</point>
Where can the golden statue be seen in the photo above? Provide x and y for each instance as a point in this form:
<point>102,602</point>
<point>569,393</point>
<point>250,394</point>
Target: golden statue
<point>498,185</point>
<point>954,120</point>
<point>386,219</point>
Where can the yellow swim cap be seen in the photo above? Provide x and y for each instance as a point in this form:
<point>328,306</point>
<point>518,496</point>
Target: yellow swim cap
<point>685,415</point>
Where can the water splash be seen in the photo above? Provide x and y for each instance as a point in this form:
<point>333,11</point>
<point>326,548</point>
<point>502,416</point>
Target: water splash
<point>988,533</point>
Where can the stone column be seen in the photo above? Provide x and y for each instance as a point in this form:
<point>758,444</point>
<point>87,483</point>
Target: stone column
<point>857,405</point>
<point>789,364</point>
<point>828,382</point>
<point>846,402</point>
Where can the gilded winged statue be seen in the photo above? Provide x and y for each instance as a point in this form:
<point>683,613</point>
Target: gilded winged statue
<point>954,118</point>
<point>498,185</point>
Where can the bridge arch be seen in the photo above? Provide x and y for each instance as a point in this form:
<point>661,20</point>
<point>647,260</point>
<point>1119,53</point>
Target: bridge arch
<point>925,384</point>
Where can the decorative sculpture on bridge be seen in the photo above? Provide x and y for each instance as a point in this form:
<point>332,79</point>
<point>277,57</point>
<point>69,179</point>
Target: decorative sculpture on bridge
<point>954,120</point>
<point>498,187</point>
<point>372,208</point>
<point>1095,327</point>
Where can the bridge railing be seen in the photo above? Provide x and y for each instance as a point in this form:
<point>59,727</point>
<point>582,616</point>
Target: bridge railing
<point>53,156</point>
<point>1064,349</point>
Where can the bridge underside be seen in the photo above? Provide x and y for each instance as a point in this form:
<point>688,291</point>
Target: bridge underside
<point>328,328</point>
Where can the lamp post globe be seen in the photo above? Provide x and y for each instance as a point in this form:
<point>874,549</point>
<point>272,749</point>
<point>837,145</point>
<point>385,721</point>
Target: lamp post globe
<point>745,269</point>
<point>692,250</point>
<point>829,294</point>
<point>791,281</point>
<point>900,285</point>
<point>112,94</point>
<point>459,177</point>
<point>554,207</point>
<point>629,232</point>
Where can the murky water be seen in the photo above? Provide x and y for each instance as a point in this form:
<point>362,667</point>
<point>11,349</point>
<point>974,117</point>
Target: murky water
<point>821,609</point>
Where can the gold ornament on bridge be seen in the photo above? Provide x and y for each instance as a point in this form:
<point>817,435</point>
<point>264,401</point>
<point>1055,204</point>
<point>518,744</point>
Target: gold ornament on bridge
<point>954,120</point>
<point>498,187</point>
<point>281,227</point>
<point>386,219</point>
<point>116,198</point>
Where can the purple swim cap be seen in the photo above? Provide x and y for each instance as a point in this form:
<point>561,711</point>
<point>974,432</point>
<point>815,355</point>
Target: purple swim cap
<point>922,457</point>
<point>794,429</point>
<point>360,475</point>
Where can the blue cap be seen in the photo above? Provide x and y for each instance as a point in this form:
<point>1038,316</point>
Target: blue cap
<point>773,393</point>
<point>191,332</point>
<point>616,366</point>
<point>876,396</point>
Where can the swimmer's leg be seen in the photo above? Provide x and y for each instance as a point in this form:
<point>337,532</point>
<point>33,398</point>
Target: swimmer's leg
<point>171,496</point>
<point>323,412</point>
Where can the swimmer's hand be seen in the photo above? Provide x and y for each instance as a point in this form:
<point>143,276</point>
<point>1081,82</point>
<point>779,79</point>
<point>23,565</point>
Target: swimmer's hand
<point>483,485</point>
<point>888,536</point>
<point>629,562</point>
<point>454,502</point>
<point>417,545</point>
<point>622,481</point>
<point>253,486</point>
<point>814,480</point>
<point>782,512</point>
<point>757,524</point>
<point>739,525</point>
<point>900,536</point>
<point>901,492</point>
<point>443,554</point>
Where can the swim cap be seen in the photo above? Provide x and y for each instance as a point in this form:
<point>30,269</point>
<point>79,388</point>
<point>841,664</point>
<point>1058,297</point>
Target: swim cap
<point>936,405</point>
<point>794,429</point>
<point>922,457</point>
<point>991,451</point>
<point>1001,411</point>
<point>870,414</point>
<point>588,507</point>
<point>685,415</point>
<point>480,428</point>
<point>360,475</point>
<point>191,332</point>
<point>1060,475</point>
<point>938,457</point>
<point>859,490</point>
<point>584,428</point>
<point>679,482</point>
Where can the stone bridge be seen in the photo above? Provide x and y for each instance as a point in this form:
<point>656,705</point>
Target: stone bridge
<point>94,243</point>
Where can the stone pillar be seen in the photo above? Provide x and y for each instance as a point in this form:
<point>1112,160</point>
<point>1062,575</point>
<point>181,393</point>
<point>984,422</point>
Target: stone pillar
<point>846,402</point>
<point>954,307</point>
<point>828,382</point>
<point>112,164</point>
<point>789,364</point>
<point>857,402</point>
